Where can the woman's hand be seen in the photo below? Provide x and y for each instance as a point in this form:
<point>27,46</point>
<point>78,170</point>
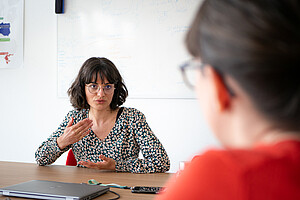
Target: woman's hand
<point>107,163</point>
<point>74,133</point>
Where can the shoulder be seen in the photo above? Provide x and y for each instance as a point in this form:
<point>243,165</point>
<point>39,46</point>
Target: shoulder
<point>77,114</point>
<point>204,175</point>
<point>133,114</point>
<point>237,160</point>
<point>214,170</point>
<point>216,160</point>
<point>261,159</point>
<point>219,164</point>
<point>233,172</point>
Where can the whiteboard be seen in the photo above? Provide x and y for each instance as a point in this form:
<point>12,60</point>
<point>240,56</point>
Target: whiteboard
<point>143,38</point>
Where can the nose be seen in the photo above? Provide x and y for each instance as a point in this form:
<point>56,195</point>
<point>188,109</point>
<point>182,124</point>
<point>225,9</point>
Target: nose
<point>101,92</point>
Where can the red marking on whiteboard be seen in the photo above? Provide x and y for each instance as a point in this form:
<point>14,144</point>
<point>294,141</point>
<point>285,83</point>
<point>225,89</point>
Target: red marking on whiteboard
<point>7,55</point>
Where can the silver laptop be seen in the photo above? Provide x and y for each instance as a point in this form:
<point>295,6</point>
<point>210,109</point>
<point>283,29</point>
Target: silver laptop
<point>37,189</point>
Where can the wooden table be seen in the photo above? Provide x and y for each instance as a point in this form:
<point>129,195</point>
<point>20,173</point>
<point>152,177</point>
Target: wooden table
<point>13,172</point>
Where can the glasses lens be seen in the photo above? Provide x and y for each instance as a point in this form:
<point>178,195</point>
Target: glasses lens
<point>93,88</point>
<point>108,89</point>
<point>190,76</point>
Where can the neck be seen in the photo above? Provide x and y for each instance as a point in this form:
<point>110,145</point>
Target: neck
<point>275,136</point>
<point>250,127</point>
<point>100,116</point>
<point>243,126</point>
<point>249,131</point>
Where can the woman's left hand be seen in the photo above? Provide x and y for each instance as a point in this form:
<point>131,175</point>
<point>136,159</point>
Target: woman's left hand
<point>106,164</point>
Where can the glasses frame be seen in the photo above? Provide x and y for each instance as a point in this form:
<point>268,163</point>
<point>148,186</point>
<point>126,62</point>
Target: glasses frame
<point>88,85</point>
<point>195,64</point>
<point>191,64</point>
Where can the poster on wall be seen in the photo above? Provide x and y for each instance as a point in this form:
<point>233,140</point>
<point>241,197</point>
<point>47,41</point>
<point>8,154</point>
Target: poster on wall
<point>11,33</point>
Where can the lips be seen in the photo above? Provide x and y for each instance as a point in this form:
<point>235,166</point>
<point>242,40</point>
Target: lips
<point>100,101</point>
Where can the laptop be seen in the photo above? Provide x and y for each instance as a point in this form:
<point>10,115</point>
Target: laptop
<point>38,189</point>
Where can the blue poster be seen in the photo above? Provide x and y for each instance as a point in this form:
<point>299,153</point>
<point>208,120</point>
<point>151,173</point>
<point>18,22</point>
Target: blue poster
<point>11,33</point>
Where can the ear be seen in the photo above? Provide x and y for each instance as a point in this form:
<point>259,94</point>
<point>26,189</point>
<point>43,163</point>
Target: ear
<point>222,96</point>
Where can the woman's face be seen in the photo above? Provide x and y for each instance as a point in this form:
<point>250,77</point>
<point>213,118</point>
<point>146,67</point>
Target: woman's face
<point>206,95</point>
<point>99,99</point>
<point>203,95</point>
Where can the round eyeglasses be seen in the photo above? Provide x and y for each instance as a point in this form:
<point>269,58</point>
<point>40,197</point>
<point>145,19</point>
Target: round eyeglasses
<point>189,76</point>
<point>95,88</point>
<point>188,72</point>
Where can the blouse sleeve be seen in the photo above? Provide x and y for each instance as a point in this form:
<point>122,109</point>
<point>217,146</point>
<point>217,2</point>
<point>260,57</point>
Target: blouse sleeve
<point>49,150</point>
<point>155,156</point>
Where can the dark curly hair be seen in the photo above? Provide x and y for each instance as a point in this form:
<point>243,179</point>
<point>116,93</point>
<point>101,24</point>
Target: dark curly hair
<point>88,74</point>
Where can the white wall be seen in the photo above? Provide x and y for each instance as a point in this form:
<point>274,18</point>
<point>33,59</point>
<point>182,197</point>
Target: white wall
<point>31,111</point>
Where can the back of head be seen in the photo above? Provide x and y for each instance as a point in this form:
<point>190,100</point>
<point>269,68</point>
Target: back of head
<point>257,43</point>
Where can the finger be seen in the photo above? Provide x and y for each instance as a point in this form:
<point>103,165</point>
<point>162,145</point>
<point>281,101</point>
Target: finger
<point>84,163</point>
<point>81,162</point>
<point>108,163</point>
<point>82,125</point>
<point>84,131</point>
<point>102,157</point>
<point>90,164</point>
<point>79,133</point>
<point>82,134</point>
<point>70,122</point>
<point>87,132</point>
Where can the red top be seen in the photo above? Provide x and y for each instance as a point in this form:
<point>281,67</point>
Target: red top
<point>263,173</point>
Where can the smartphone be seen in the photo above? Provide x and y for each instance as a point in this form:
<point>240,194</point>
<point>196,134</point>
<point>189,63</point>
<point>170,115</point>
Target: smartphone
<point>146,189</point>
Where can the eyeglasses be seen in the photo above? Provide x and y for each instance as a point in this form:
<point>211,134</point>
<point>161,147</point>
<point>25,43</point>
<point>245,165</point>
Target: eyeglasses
<point>95,88</point>
<point>188,72</point>
<point>189,76</point>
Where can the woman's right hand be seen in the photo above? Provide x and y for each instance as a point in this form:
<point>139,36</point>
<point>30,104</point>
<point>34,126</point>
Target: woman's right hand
<point>74,133</point>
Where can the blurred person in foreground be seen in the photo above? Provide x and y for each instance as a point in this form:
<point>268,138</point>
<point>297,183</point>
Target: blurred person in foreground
<point>246,65</point>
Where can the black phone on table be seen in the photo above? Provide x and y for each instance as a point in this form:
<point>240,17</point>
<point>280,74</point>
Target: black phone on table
<point>146,189</point>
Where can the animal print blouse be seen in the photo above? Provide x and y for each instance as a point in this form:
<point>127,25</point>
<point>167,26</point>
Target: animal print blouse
<point>130,134</point>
